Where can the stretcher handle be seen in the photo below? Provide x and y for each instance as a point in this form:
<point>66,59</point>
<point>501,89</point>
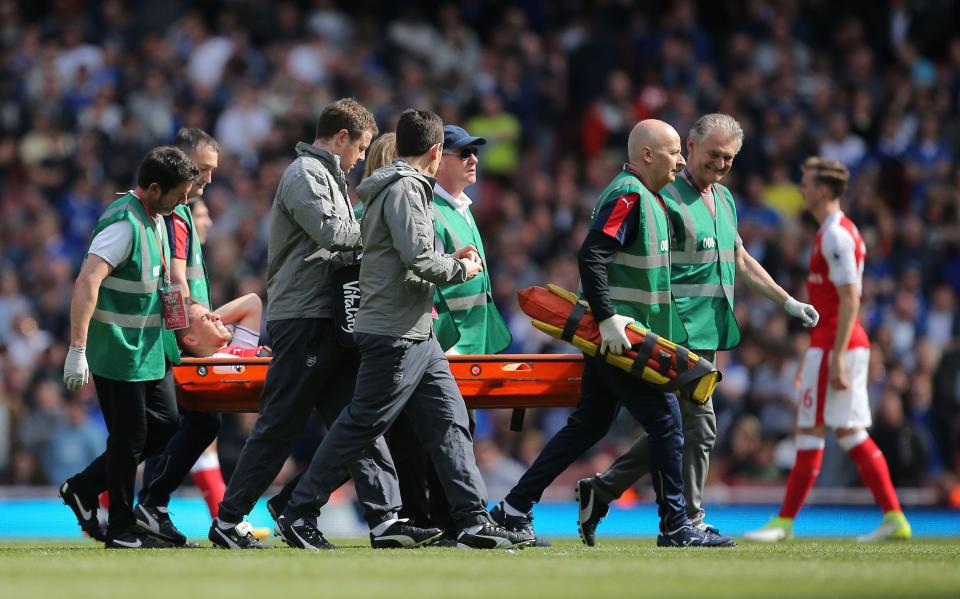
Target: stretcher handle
<point>224,361</point>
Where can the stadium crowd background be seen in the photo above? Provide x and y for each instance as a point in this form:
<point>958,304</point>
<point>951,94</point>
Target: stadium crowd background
<point>86,88</point>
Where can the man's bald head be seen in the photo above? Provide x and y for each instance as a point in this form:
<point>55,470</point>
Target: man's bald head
<point>650,133</point>
<point>654,151</point>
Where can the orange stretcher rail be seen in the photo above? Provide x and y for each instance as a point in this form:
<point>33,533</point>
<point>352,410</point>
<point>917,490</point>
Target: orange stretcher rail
<point>514,381</point>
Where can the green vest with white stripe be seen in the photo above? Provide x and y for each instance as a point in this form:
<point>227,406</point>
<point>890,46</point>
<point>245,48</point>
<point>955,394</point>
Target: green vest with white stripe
<point>470,307</point>
<point>126,340</point>
<point>704,264</point>
<point>197,280</point>
<point>639,277</point>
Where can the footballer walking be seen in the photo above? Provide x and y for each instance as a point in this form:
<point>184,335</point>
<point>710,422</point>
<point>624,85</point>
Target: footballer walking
<point>833,390</point>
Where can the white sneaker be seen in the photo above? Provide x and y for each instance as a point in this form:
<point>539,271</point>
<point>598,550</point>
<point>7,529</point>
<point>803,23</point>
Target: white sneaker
<point>776,530</point>
<point>894,527</point>
<point>705,527</point>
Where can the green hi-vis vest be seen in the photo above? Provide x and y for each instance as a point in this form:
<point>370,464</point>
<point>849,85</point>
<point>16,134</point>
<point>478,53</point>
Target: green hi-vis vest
<point>639,277</point>
<point>198,282</point>
<point>704,263</point>
<point>470,307</point>
<point>126,340</point>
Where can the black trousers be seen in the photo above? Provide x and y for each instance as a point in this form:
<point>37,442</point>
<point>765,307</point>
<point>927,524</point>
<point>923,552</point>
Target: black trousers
<point>604,391</point>
<point>399,375</point>
<point>141,417</point>
<point>163,473</point>
<point>309,370</point>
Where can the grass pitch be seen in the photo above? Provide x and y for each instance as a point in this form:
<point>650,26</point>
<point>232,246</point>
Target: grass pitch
<point>621,568</point>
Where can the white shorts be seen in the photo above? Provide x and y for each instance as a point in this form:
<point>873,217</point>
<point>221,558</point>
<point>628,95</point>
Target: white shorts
<point>821,404</point>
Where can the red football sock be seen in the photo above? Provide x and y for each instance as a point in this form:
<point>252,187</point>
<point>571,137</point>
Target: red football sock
<point>104,500</point>
<point>802,476</point>
<point>210,483</point>
<point>875,474</point>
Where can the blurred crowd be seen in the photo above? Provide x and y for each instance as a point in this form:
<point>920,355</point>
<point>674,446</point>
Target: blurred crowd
<point>86,88</point>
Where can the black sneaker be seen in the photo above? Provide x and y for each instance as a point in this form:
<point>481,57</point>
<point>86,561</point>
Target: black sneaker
<point>689,535</point>
<point>85,509</point>
<point>592,511</point>
<point>519,524</point>
<point>402,535</point>
<point>275,506</point>
<point>156,521</point>
<point>494,536</point>
<point>238,537</point>
<point>445,541</point>
<point>301,533</point>
<point>135,539</point>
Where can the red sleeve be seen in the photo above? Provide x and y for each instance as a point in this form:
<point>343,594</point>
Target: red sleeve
<point>619,218</point>
<point>180,235</point>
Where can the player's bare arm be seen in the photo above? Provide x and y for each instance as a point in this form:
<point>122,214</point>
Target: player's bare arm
<point>245,311</point>
<point>849,296</point>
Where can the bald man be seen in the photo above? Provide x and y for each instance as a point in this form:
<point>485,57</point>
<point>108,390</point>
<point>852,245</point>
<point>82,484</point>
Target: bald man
<point>625,274</point>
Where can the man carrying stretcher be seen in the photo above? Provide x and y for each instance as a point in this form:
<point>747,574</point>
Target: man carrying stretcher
<point>625,272</point>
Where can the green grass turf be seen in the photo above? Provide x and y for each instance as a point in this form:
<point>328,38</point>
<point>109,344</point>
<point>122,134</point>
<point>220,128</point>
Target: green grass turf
<point>622,568</point>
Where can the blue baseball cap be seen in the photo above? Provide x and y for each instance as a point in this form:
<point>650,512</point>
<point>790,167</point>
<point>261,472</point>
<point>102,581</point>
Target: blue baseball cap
<point>457,137</point>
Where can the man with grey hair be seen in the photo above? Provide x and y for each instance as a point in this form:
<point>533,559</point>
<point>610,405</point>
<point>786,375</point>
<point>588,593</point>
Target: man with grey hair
<point>624,266</point>
<point>706,255</point>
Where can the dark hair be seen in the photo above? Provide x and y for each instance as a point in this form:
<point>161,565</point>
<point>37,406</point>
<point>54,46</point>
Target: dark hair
<point>832,174</point>
<point>345,113</point>
<point>190,138</point>
<point>418,131</point>
<point>167,167</point>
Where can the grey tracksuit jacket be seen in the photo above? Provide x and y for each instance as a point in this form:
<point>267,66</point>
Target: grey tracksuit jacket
<point>311,211</point>
<point>400,266</point>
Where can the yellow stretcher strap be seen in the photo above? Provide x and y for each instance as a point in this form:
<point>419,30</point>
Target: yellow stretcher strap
<point>703,372</point>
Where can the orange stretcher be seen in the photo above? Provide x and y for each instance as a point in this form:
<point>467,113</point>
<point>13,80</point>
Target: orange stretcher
<point>513,381</point>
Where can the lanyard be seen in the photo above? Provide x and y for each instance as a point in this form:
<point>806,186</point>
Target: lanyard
<point>693,184</point>
<point>153,229</point>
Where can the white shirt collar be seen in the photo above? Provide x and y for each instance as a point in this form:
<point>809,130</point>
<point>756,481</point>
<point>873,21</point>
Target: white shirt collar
<point>832,219</point>
<point>461,204</point>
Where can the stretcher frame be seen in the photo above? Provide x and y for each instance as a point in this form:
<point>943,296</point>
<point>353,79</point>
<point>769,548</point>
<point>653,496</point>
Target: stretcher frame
<point>500,381</point>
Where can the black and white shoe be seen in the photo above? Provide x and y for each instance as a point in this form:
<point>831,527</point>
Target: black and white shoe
<point>85,509</point>
<point>494,536</point>
<point>156,521</point>
<point>519,524</point>
<point>301,533</point>
<point>592,511</point>
<point>135,539</point>
<point>689,535</point>
<point>402,535</point>
<point>238,537</point>
<point>275,506</point>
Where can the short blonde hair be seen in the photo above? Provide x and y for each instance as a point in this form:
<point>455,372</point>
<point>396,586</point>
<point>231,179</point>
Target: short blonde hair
<point>381,152</point>
<point>832,174</point>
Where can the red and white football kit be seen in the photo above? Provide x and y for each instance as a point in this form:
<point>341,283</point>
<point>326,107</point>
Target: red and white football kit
<point>837,259</point>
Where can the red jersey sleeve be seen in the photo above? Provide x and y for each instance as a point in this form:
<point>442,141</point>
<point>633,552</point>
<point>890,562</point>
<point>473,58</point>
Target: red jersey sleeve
<point>181,233</point>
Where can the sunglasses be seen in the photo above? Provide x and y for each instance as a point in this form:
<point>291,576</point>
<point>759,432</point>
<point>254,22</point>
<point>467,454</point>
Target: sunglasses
<point>462,153</point>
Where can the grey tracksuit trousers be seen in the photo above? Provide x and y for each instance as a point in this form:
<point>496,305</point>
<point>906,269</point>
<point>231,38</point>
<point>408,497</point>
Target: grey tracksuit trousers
<point>309,369</point>
<point>398,374</point>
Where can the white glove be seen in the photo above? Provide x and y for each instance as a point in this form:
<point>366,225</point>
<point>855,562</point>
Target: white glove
<point>614,336</point>
<point>805,312</point>
<point>76,373</point>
